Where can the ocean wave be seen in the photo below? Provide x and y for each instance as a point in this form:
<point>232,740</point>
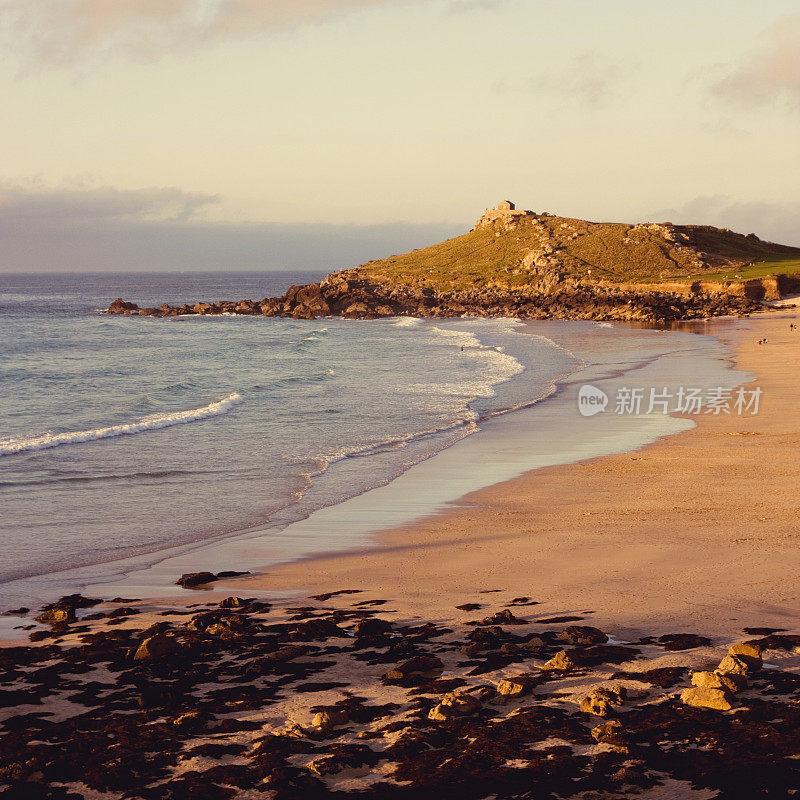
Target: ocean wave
<point>168,473</point>
<point>407,322</point>
<point>154,422</point>
<point>466,424</point>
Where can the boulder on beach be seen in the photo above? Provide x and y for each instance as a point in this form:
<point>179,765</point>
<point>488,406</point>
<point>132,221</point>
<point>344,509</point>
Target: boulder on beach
<point>602,700</point>
<point>57,614</point>
<point>156,648</point>
<point>454,704</point>
<point>706,697</point>
<point>730,681</point>
<point>749,652</point>
<point>583,635</point>
<point>330,717</point>
<point>735,665</point>
<point>191,579</point>
<point>611,734</point>
<point>516,686</point>
<point>422,666</point>
<point>373,627</point>
<point>561,661</point>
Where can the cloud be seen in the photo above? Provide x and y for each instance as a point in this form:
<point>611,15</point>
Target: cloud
<point>770,72</point>
<point>464,6</point>
<point>107,229</point>
<point>589,78</point>
<point>62,31</point>
<point>777,222</point>
<point>59,206</point>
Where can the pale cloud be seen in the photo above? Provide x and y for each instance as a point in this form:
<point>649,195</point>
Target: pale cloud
<point>62,31</point>
<point>590,78</point>
<point>774,221</point>
<point>105,228</point>
<point>77,205</point>
<point>463,6</point>
<point>770,72</point>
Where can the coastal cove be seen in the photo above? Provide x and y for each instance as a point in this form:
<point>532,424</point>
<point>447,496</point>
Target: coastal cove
<point>365,672</point>
<point>502,448</point>
<point>399,400</point>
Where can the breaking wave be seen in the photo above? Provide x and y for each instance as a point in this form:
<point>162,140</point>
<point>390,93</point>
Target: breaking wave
<point>154,422</point>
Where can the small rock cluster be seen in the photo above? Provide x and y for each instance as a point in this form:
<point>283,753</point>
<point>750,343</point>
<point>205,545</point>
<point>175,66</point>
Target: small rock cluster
<point>719,688</point>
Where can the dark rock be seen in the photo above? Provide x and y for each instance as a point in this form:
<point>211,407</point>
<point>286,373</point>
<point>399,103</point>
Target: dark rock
<point>422,666</point>
<point>329,595</point>
<point>317,629</point>
<point>156,648</point>
<point>665,677</point>
<point>119,306</point>
<point>583,635</point>
<point>504,617</point>
<point>373,627</point>
<point>191,579</point>
<point>123,611</point>
<point>762,631</point>
<point>683,641</point>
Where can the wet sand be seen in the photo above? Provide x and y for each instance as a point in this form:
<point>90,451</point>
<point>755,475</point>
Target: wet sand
<point>697,531</point>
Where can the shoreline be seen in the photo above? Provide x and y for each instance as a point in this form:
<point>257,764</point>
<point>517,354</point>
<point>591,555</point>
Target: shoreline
<point>399,562</point>
<point>436,482</point>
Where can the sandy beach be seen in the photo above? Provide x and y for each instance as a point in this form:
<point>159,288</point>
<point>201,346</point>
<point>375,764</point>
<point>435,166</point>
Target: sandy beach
<point>696,530</point>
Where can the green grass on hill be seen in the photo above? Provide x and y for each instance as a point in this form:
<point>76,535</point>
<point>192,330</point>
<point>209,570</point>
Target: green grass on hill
<point>758,269</point>
<point>598,251</point>
<point>475,259</point>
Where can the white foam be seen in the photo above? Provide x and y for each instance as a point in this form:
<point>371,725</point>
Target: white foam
<point>153,422</point>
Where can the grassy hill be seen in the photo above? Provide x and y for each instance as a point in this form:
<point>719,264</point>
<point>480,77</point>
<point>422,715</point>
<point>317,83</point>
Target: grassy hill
<point>518,248</point>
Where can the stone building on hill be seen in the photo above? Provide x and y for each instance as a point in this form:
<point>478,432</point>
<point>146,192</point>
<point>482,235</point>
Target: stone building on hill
<point>504,212</point>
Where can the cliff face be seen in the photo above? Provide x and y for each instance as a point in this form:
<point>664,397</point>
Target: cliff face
<point>527,265</point>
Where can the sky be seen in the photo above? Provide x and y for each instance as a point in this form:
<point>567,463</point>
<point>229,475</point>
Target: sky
<point>270,134</point>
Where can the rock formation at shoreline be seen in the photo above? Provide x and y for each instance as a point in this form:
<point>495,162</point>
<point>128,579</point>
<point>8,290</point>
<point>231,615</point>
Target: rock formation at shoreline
<point>539,266</point>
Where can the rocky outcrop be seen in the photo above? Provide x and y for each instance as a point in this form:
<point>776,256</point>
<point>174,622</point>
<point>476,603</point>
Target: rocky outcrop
<point>718,689</point>
<point>521,264</point>
<point>348,295</point>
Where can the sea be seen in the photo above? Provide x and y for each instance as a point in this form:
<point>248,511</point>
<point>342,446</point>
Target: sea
<point>123,439</point>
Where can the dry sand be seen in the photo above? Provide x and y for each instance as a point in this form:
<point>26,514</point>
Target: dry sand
<point>698,531</point>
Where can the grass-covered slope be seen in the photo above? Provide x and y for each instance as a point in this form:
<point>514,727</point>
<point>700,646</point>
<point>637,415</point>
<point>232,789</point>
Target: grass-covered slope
<point>516,249</point>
